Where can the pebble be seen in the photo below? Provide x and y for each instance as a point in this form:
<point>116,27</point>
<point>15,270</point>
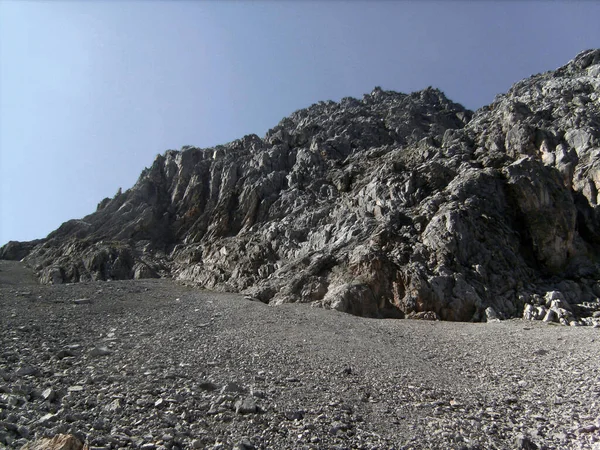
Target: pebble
<point>26,371</point>
<point>244,444</point>
<point>232,387</point>
<point>46,419</point>
<point>245,405</point>
<point>48,394</point>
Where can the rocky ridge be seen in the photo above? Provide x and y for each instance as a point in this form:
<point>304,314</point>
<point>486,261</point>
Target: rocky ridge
<point>393,205</point>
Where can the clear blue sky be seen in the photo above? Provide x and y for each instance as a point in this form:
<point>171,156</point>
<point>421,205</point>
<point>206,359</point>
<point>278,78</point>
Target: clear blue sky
<point>91,92</point>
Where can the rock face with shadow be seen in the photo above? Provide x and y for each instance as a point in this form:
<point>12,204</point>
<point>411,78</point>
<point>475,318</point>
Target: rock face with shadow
<point>392,205</point>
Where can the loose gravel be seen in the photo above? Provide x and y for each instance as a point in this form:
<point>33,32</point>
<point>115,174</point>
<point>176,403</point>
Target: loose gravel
<point>154,364</point>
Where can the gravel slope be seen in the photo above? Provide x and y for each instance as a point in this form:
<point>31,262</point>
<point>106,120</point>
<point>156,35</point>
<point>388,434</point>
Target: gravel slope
<point>156,364</point>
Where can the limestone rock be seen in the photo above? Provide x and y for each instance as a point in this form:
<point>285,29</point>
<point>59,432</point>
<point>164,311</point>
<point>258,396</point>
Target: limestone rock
<point>393,205</point>
<point>58,442</point>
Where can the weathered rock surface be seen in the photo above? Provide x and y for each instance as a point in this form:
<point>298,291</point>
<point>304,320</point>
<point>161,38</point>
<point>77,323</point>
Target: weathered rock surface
<point>387,206</point>
<point>58,442</point>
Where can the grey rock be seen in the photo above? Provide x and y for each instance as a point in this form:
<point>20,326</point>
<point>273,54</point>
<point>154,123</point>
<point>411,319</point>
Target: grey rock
<point>294,415</point>
<point>551,316</point>
<point>100,351</point>
<point>16,251</point>
<point>529,312</point>
<point>232,387</point>
<point>491,315</point>
<point>46,419</point>
<point>525,443</point>
<point>27,371</point>
<point>587,429</point>
<point>208,386</point>
<point>48,394</point>
<point>244,444</point>
<point>394,205</point>
<point>24,432</point>
<point>246,405</point>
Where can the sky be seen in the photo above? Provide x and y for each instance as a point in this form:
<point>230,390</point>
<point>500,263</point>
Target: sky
<point>91,92</point>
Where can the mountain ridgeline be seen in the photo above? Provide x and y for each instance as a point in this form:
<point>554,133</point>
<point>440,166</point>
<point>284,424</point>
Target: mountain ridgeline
<point>393,205</point>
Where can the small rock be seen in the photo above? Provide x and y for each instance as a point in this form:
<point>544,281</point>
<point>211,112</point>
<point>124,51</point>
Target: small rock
<point>337,427</point>
<point>245,405</point>
<point>244,444</point>
<point>529,312</point>
<point>232,387</point>
<point>294,415</point>
<point>148,446</point>
<point>27,370</point>
<point>208,386</point>
<point>24,432</point>
<point>587,429</point>
<point>82,301</point>
<point>100,351</point>
<point>114,406</point>
<point>491,315</point>
<point>65,354</point>
<point>46,419</point>
<point>524,443</point>
<point>48,395</point>
<point>258,393</point>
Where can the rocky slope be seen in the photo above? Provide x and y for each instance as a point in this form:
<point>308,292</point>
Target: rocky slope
<point>390,206</point>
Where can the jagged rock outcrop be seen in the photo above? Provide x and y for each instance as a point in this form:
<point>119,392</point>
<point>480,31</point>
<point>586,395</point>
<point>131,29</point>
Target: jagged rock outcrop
<point>387,206</point>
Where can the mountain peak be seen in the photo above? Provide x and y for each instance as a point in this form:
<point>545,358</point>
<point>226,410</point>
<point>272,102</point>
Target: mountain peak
<point>395,205</point>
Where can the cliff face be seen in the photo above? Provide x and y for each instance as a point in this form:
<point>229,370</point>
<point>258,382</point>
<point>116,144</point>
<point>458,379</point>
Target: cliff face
<point>391,205</point>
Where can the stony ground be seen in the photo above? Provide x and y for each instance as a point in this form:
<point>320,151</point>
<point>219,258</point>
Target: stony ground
<point>155,364</point>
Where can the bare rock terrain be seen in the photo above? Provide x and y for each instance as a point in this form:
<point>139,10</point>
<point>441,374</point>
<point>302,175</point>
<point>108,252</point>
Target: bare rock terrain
<point>393,205</point>
<point>156,364</point>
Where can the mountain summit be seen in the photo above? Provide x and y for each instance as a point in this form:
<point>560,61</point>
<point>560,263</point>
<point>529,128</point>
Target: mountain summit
<point>392,205</point>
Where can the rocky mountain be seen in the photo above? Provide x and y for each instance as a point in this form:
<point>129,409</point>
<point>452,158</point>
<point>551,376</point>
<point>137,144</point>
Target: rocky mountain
<point>393,205</point>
